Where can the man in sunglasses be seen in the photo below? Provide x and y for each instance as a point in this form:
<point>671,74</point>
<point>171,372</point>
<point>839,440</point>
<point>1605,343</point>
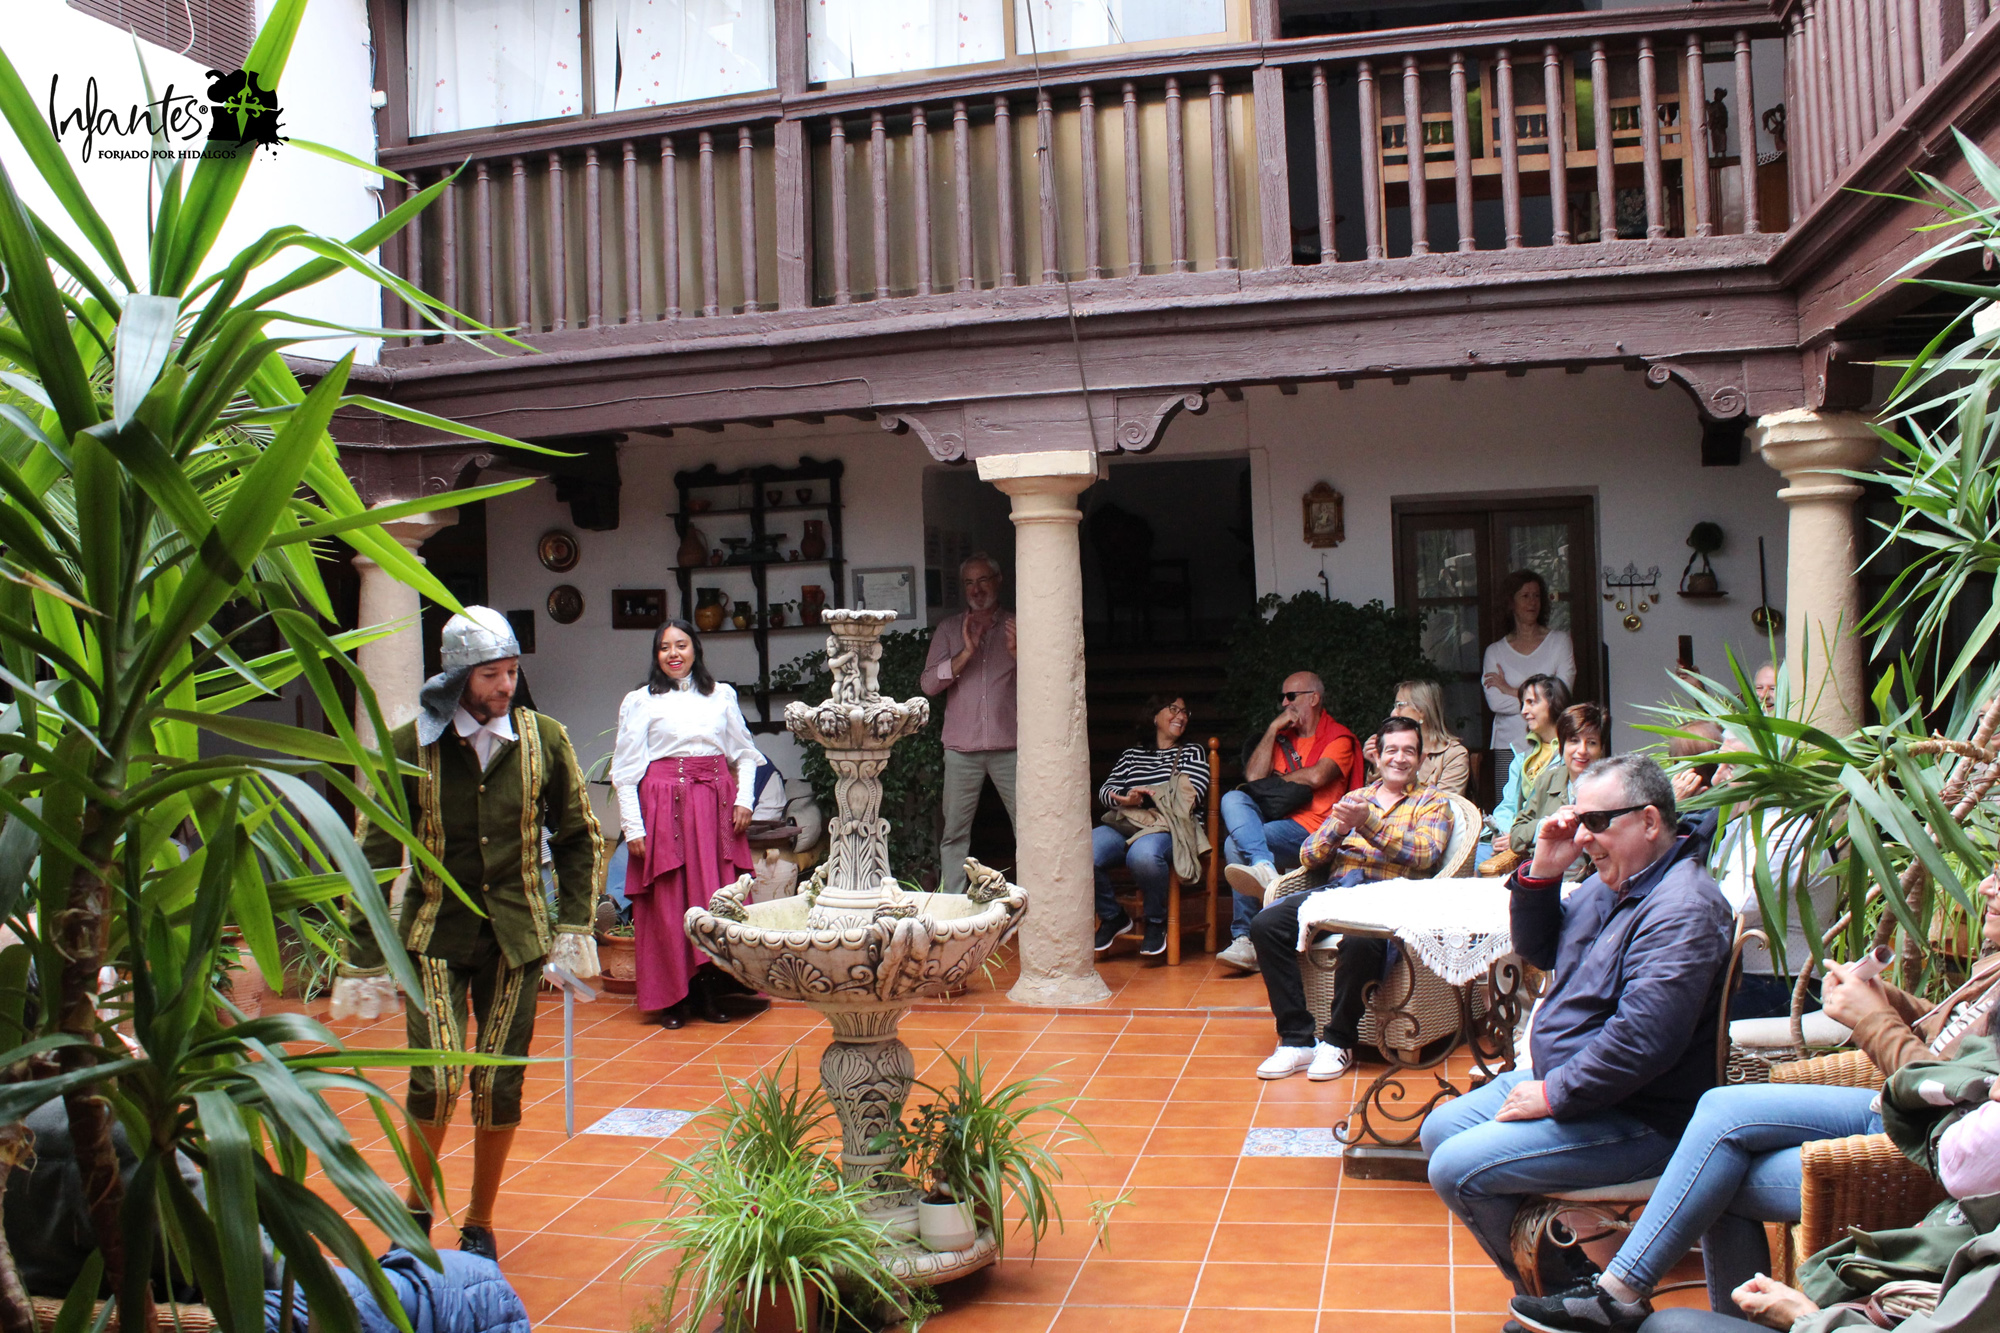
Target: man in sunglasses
<point>1624,1043</point>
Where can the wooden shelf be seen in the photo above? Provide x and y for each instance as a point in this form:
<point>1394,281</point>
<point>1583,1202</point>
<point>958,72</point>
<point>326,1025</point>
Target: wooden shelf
<point>753,564</point>
<point>1715,596</point>
<point>738,511</point>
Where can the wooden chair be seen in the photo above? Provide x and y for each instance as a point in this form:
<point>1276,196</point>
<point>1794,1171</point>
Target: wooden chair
<point>1204,890</point>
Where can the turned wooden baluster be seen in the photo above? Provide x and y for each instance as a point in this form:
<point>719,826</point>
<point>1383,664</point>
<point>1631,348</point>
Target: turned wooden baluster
<point>1413,154</point>
<point>1558,142</point>
<point>558,247</point>
<point>1746,134</point>
<point>1323,164</point>
<point>1607,162</point>
<point>920,185</point>
<point>482,231</point>
<point>1847,118</point>
<point>1461,152</point>
<point>413,259</point>
<point>593,242</point>
<point>670,228</point>
<point>1882,63</point>
<point>1093,225</point>
<point>878,189</point>
<point>1135,229</point>
<point>1510,148</point>
<point>630,186</point>
<point>1909,51</point>
<point>711,277</point>
<point>1649,137</point>
<point>1218,159</point>
<point>1003,187</point>
<point>843,289</point>
<point>1176,182</point>
<point>520,312</point>
<point>1371,158</point>
<point>1694,135</point>
<point>961,171</point>
<point>1045,174</point>
<point>746,219</point>
<point>448,246</point>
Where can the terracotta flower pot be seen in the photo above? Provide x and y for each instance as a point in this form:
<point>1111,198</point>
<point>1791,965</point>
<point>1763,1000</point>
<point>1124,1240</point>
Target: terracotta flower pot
<point>618,957</point>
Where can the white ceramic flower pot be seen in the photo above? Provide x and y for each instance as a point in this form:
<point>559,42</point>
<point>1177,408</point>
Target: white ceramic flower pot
<point>943,1227</point>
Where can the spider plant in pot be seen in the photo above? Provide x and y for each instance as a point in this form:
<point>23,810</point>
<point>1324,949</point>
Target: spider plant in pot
<point>971,1148</point>
<point>770,1238</point>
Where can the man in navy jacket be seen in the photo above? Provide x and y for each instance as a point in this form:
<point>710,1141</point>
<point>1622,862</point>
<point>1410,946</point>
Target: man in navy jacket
<point>1624,1044</point>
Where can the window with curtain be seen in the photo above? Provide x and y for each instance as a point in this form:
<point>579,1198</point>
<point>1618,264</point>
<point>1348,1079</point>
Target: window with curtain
<point>1071,25</point>
<point>475,63</point>
<point>858,39</point>
<point>652,52</point>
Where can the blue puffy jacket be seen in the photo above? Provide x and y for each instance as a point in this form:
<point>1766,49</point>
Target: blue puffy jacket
<point>470,1296</point>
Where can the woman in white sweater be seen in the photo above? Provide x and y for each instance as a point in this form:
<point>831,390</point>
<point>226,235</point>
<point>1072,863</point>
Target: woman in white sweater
<point>683,769</point>
<point>1529,648</point>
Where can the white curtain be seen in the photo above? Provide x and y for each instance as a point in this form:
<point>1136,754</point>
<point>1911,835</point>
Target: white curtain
<point>474,63</point>
<point>651,52</point>
<point>858,39</point>
<point>1071,25</point>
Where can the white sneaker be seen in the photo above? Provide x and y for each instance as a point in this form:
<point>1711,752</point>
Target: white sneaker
<point>1242,955</point>
<point>1252,880</point>
<point>1285,1061</point>
<point>1329,1062</point>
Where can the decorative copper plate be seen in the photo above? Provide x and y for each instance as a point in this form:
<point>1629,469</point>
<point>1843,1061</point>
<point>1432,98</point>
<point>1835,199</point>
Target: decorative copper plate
<point>565,605</point>
<point>559,551</point>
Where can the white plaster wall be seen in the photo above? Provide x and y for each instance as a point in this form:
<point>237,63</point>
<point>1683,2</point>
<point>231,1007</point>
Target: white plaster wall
<point>579,672</point>
<point>1604,433</point>
<point>324,96</point>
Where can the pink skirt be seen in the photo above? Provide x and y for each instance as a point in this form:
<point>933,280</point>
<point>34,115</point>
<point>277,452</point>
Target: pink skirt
<point>691,851</point>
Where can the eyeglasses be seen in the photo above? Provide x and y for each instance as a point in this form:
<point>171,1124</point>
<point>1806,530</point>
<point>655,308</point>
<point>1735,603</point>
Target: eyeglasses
<point>1290,695</point>
<point>1179,710</point>
<point>1598,821</point>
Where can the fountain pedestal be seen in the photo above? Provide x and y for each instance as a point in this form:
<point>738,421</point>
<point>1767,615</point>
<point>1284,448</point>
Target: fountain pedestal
<point>856,947</point>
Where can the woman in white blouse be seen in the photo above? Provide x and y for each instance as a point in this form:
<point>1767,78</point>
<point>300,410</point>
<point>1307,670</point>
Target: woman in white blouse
<point>682,768</point>
<point>1529,648</point>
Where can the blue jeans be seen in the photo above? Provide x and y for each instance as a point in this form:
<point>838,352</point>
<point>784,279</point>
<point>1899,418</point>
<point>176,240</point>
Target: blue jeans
<point>1150,858</point>
<point>1737,1167</point>
<point>1253,839</point>
<point>1483,1168</point>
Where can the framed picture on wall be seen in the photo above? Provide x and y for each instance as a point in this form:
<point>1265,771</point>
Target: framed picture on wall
<point>638,608</point>
<point>889,589</point>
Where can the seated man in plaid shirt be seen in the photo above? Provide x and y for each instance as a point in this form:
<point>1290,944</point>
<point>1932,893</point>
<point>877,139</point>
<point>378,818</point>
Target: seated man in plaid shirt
<point>1394,828</point>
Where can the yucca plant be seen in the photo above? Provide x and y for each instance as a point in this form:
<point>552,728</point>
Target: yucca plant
<point>1897,810</point>
<point>157,460</point>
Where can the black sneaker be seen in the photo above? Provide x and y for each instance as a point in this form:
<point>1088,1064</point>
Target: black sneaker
<point>1584,1308</point>
<point>1156,940</point>
<point>479,1240</point>
<point>1108,933</point>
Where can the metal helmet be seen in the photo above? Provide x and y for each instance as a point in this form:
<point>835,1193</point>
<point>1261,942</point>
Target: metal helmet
<point>477,636</point>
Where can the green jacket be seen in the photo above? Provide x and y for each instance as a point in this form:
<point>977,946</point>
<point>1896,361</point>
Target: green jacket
<point>486,828</point>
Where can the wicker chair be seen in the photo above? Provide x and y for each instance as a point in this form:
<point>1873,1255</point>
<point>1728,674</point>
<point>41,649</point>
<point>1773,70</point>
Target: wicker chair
<point>166,1318</point>
<point>1205,890</point>
<point>1862,1181</point>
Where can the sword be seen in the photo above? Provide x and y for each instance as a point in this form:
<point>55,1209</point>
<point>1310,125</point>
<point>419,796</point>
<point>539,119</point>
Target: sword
<point>573,989</point>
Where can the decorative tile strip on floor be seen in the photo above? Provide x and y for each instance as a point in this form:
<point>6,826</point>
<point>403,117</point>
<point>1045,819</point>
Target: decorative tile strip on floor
<point>639,1123</point>
<point>1291,1143</point>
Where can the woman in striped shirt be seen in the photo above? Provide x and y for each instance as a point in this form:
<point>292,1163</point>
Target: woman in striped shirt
<point>1148,766</point>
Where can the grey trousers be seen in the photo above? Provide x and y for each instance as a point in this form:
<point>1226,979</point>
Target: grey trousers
<point>965,772</point>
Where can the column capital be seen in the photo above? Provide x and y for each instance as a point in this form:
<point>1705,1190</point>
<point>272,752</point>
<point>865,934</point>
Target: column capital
<point>1810,447</point>
<point>1051,472</point>
<point>413,530</point>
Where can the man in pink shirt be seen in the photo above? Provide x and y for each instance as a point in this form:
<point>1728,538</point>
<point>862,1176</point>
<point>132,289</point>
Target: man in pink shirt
<point>971,663</point>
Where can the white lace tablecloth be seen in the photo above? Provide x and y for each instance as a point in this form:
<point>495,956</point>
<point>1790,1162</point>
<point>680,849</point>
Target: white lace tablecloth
<point>1458,927</point>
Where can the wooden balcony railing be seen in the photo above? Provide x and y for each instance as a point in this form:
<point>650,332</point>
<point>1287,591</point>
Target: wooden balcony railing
<point>1542,132</point>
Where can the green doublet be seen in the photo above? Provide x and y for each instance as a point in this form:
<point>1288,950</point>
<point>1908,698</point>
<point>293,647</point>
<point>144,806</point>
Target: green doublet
<point>485,827</point>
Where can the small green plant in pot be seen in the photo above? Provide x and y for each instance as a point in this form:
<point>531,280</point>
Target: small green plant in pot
<point>770,1238</point>
<point>970,1148</point>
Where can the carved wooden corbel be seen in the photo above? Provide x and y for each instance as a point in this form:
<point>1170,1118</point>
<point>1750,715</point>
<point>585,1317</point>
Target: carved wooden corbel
<point>1726,387</point>
<point>1143,417</point>
<point>387,474</point>
<point>942,429</point>
<point>1119,421</point>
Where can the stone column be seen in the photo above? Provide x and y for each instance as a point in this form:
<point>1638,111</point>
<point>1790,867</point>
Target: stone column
<point>1823,652</point>
<point>395,665</point>
<point>1052,786</point>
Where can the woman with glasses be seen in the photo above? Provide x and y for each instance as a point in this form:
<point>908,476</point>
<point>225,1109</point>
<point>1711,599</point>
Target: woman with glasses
<point>1447,764</point>
<point>1140,807</point>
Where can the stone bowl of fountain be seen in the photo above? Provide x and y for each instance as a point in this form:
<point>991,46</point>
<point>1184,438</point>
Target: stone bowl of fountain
<point>856,946</point>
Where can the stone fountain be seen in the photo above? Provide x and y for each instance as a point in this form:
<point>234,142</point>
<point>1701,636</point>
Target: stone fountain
<point>857,947</point>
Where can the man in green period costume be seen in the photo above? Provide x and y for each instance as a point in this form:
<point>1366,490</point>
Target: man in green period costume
<point>493,779</point>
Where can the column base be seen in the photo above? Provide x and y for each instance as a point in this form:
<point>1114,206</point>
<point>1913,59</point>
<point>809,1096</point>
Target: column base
<point>1053,991</point>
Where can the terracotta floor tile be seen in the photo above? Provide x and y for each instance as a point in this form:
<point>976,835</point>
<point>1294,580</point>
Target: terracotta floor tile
<point>1312,1207</point>
<point>1157,1283</point>
<point>1483,1288</point>
<point>1179,1044</point>
<point>1202,1142</point>
<point>603,1217</point>
<point>1290,1115</point>
<point>1114,1319</point>
<point>1104,1170</point>
<point>1125,1139</point>
<point>1361,1287</point>
<point>1244,1087</point>
<point>1128,1088</point>
<point>1288,1173</point>
<point>1377,1207</point>
<point>992,1318</point>
<point>1266,1321</point>
<point>1118,1064</point>
<point>1187,1170</point>
<point>1259,1286</point>
<point>578,1258</point>
<point>1370,1244</point>
<point>520,1214</point>
<point>1097,1111</point>
<point>1343,1321</point>
<point>608,1305</point>
<point>1130,1237</point>
<point>600,1150</point>
<point>542,1295</point>
<point>1030,1282</point>
<point>1269,1242</point>
<point>1179,1203</point>
<point>1336,1095</point>
<point>1195,1115</point>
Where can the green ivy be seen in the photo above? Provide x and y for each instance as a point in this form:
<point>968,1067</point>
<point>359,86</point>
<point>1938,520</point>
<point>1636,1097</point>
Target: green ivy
<point>913,783</point>
<point>1360,652</point>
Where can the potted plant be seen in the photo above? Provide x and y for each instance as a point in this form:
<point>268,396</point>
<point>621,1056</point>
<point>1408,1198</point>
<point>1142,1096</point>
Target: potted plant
<point>970,1148</point>
<point>770,1236</point>
<point>618,959</point>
